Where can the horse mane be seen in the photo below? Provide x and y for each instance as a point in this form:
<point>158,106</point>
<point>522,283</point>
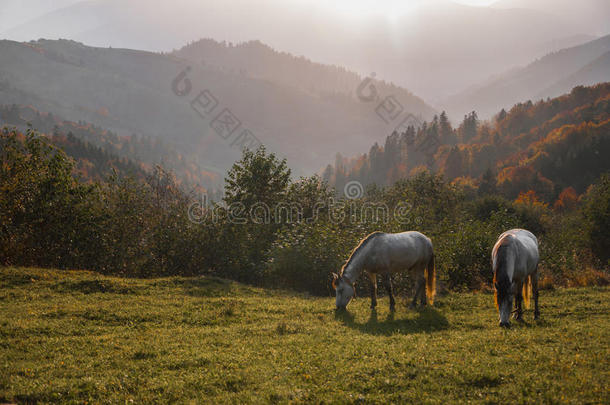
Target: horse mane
<point>360,245</point>
<point>501,281</point>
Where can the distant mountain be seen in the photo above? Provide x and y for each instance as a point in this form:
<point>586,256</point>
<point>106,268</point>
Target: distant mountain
<point>595,72</point>
<point>97,151</point>
<point>130,91</point>
<point>550,76</point>
<point>259,61</point>
<point>434,48</point>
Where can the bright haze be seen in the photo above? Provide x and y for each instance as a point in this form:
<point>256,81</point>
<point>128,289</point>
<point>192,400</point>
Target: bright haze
<point>289,70</point>
<point>434,48</point>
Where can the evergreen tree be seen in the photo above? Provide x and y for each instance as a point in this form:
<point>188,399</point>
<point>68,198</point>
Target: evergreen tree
<point>454,166</point>
<point>488,184</point>
<point>446,133</point>
<point>327,174</point>
<point>468,128</point>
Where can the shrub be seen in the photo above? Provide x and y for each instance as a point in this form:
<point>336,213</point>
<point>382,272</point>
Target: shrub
<point>43,208</point>
<point>597,215</point>
<point>303,257</point>
<point>464,253</point>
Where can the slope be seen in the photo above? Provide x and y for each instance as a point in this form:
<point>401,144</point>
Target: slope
<point>130,92</point>
<point>540,79</point>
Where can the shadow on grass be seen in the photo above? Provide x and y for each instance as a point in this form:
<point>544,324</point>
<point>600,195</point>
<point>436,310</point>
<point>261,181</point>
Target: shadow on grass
<point>426,320</point>
<point>529,322</point>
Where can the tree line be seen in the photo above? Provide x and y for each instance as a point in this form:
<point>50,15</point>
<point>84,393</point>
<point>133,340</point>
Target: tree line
<point>145,227</point>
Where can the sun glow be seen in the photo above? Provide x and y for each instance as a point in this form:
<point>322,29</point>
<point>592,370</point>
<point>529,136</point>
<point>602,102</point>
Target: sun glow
<point>385,8</point>
<point>362,8</point>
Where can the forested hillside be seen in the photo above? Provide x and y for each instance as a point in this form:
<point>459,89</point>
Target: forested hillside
<point>97,152</point>
<point>546,147</point>
<point>129,91</point>
<point>257,60</point>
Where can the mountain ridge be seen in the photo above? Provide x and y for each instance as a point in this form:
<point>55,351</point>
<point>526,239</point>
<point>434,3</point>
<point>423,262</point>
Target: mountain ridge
<point>529,82</point>
<point>130,91</point>
<point>391,45</point>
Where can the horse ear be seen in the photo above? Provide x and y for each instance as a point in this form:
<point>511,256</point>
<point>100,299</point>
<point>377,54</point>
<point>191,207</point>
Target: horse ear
<point>334,282</point>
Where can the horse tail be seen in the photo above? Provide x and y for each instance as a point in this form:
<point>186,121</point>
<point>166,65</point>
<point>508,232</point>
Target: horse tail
<point>527,291</point>
<point>431,280</point>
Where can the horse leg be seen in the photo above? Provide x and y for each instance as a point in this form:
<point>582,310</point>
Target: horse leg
<point>423,298</point>
<point>519,302</point>
<point>387,281</point>
<point>373,278</point>
<point>422,282</point>
<point>419,290</point>
<point>535,293</point>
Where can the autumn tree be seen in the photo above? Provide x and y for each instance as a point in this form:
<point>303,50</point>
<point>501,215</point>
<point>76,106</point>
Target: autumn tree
<point>567,200</point>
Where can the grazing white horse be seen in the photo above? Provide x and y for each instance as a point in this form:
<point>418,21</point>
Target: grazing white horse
<point>387,253</point>
<point>514,260</point>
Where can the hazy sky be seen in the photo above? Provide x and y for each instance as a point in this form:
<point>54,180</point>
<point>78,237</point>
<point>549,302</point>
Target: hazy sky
<point>385,7</point>
<point>15,12</point>
<point>432,47</point>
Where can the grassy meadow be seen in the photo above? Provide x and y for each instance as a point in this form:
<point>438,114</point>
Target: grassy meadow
<point>79,337</point>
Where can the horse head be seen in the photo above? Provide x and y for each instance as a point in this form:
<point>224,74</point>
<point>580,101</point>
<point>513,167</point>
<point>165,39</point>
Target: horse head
<point>504,286</point>
<point>344,290</point>
<point>504,302</point>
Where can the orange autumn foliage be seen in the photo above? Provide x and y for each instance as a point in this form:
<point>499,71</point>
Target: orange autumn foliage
<point>567,200</point>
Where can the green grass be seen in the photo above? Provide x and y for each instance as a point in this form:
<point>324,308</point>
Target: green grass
<point>74,336</point>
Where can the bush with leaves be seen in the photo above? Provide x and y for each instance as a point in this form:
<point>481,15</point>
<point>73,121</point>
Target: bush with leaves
<point>305,254</point>
<point>43,209</point>
<point>464,252</point>
<point>597,216</point>
<point>256,186</point>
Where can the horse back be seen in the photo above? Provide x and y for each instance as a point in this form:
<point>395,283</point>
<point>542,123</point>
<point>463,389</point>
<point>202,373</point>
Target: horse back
<point>518,248</point>
<point>400,251</point>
